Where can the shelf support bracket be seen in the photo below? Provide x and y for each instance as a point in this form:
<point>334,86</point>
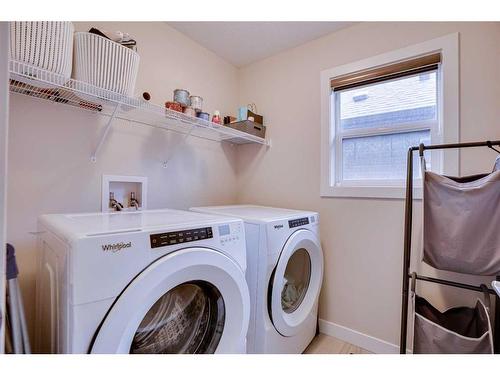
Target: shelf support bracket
<point>177,146</point>
<point>93,157</point>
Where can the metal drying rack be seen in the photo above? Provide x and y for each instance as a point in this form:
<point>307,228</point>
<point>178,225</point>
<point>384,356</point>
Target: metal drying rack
<point>407,244</point>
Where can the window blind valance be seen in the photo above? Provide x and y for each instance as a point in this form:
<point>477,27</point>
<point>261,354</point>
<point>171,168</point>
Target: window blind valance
<point>400,69</point>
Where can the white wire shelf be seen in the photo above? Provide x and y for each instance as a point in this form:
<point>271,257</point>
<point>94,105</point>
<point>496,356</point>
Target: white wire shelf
<point>39,83</point>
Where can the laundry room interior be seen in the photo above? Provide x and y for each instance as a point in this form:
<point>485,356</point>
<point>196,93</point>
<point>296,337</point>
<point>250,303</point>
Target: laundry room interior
<point>256,187</point>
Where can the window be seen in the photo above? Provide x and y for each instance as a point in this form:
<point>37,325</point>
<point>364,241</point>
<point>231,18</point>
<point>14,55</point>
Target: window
<point>376,111</point>
<point>375,124</point>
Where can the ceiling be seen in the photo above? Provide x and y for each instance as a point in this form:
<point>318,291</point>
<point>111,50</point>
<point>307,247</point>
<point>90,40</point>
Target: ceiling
<point>242,43</point>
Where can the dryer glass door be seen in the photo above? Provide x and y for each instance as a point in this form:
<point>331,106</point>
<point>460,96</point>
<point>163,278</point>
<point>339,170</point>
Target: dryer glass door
<point>296,280</point>
<point>296,283</point>
<point>190,301</point>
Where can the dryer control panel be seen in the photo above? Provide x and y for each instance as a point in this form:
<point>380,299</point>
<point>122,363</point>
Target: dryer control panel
<point>181,236</point>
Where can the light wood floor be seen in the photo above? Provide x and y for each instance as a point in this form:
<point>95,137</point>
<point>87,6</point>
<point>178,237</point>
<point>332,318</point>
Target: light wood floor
<point>323,344</point>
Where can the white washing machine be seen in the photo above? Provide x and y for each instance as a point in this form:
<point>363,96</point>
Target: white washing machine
<point>284,275</point>
<point>160,281</point>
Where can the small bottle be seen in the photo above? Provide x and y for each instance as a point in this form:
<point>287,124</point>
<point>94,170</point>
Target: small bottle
<point>216,117</point>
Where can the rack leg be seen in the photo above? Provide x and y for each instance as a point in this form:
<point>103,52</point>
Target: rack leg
<point>22,320</point>
<point>17,338</point>
<point>407,252</point>
<point>496,337</point>
<point>93,157</point>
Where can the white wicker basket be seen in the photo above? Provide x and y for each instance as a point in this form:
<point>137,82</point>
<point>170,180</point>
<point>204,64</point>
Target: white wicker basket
<point>105,64</point>
<point>45,44</point>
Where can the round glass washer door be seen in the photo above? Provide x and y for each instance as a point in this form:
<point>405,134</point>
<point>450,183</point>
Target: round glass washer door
<point>187,319</point>
<point>193,300</point>
<point>296,283</point>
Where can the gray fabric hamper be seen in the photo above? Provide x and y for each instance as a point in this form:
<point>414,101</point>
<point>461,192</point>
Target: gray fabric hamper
<point>462,223</point>
<point>459,330</point>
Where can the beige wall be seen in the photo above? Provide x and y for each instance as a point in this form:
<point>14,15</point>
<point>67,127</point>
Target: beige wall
<point>50,145</point>
<point>362,238</point>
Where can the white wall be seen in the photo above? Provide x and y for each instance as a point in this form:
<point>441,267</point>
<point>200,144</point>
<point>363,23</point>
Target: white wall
<point>362,238</point>
<point>50,145</point>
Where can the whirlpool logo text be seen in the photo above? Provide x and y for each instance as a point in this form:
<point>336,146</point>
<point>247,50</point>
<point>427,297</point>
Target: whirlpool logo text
<point>115,247</point>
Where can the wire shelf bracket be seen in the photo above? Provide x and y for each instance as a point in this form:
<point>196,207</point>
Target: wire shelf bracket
<point>177,147</point>
<point>93,157</point>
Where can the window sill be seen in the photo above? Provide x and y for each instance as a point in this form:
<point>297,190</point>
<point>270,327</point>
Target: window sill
<point>373,192</point>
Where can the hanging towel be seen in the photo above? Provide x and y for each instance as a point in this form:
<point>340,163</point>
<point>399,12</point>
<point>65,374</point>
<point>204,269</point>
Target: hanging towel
<point>462,223</point>
<point>459,330</point>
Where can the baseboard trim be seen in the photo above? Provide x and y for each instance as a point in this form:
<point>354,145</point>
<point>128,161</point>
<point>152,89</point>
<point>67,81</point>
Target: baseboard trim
<point>357,338</point>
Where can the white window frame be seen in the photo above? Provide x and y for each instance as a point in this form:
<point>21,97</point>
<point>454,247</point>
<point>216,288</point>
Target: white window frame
<point>447,130</point>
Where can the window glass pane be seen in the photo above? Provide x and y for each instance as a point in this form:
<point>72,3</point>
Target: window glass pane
<point>389,103</point>
<point>380,157</point>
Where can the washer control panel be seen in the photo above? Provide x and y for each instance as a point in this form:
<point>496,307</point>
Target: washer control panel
<point>298,222</point>
<point>181,236</point>
<point>229,233</point>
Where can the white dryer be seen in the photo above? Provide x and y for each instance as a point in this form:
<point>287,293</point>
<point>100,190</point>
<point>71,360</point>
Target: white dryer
<point>284,275</point>
<point>160,281</point>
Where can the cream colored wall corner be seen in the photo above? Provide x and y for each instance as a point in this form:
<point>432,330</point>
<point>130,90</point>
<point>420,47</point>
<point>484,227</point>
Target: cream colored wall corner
<point>362,238</point>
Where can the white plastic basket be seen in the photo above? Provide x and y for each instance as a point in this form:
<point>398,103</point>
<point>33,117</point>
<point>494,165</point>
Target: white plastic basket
<point>44,44</point>
<point>105,64</point>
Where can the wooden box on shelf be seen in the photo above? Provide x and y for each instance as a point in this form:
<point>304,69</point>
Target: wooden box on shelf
<point>250,127</point>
